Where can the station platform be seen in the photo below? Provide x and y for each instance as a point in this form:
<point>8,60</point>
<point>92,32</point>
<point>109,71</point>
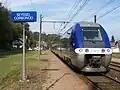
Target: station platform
<point>60,77</point>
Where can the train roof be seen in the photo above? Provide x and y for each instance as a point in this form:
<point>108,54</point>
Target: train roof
<point>89,24</point>
<point>84,24</point>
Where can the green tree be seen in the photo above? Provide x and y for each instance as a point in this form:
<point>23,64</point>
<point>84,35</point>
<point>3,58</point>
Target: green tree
<point>52,39</point>
<point>5,28</point>
<point>17,30</point>
<point>32,38</point>
<point>64,42</point>
<point>11,31</point>
<point>36,36</point>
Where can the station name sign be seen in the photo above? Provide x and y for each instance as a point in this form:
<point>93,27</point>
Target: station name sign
<point>25,16</point>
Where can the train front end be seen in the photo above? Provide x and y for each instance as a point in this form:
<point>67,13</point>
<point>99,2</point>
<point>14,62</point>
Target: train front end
<point>93,48</point>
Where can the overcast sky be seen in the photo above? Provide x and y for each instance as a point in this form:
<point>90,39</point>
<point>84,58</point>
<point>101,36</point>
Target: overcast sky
<point>58,10</point>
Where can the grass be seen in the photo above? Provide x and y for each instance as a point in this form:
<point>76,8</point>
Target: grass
<point>10,65</point>
<point>116,55</point>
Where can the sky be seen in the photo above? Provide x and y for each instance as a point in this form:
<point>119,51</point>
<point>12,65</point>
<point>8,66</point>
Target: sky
<point>58,10</point>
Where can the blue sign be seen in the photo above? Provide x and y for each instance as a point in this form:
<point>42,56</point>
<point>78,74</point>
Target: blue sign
<point>25,16</point>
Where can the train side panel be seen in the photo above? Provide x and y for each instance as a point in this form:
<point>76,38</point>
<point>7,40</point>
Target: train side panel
<point>87,62</point>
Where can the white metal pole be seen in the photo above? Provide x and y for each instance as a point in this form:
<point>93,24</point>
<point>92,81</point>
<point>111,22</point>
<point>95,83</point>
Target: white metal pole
<point>39,51</point>
<point>24,60</point>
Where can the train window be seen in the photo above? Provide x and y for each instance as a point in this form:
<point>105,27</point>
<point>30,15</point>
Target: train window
<point>92,34</point>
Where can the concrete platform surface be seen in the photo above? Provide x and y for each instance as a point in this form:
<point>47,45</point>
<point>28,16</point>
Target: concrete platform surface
<point>60,77</point>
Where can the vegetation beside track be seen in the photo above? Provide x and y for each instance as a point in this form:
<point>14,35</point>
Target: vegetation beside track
<point>10,65</point>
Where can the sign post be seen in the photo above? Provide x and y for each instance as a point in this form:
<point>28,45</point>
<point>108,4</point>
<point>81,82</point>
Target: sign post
<point>24,60</point>
<point>39,51</point>
<point>23,17</point>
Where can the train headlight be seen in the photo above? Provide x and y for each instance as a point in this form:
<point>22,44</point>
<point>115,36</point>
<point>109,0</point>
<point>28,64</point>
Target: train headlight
<point>108,50</point>
<point>103,50</point>
<point>80,50</point>
<point>86,50</point>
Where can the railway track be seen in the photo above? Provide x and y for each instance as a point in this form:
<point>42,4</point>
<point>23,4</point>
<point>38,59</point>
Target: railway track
<point>115,66</point>
<point>103,82</point>
<point>91,84</point>
<point>99,82</point>
<point>109,81</point>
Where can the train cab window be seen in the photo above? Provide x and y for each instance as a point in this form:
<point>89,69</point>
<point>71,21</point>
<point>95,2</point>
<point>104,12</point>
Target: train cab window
<point>92,34</point>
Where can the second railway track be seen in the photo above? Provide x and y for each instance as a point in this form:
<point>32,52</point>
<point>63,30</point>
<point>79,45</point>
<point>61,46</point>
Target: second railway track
<point>115,65</point>
<point>102,82</point>
<point>109,81</point>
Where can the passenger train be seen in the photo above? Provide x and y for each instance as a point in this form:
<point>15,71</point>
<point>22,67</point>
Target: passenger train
<point>88,47</point>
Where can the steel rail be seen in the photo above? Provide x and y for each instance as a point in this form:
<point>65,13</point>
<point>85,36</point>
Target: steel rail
<point>109,77</point>
<point>93,83</point>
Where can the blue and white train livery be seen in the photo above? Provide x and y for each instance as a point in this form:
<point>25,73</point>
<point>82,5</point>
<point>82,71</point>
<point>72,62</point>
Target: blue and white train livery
<point>88,47</point>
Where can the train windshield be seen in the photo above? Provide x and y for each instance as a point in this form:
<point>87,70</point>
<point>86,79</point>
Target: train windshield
<point>93,34</point>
